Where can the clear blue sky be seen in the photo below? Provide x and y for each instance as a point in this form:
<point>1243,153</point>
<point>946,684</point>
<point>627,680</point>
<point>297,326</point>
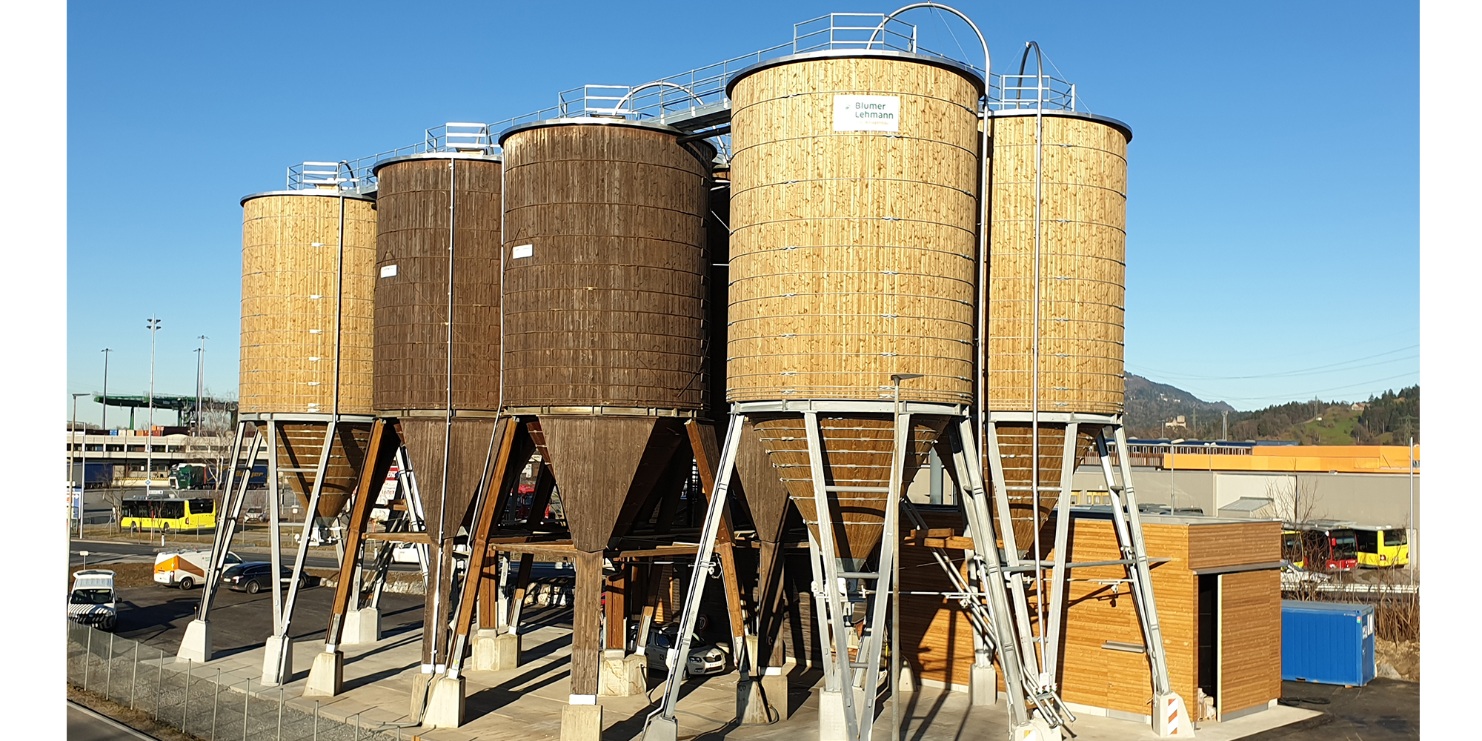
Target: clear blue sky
<point>1273,217</point>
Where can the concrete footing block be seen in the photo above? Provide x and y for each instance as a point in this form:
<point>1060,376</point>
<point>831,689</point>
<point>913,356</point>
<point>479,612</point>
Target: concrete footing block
<point>494,652</point>
<point>327,675</point>
<point>1170,717</point>
<point>831,725</point>
<point>1035,730</point>
<point>775,688</point>
<point>983,685</point>
<point>421,684</point>
<point>751,703</point>
<point>906,679</point>
<point>581,723</point>
<point>445,703</point>
<point>622,675</point>
<point>362,627</point>
<point>277,660</point>
<point>196,645</point>
<point>661,729</point>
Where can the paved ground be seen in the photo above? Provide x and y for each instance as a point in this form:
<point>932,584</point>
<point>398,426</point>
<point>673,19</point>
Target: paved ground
<point>1383,710</point>
<point>525,703</point>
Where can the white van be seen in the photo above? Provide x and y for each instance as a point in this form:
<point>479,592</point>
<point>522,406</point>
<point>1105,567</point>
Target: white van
<point>92,600</point>
<point>186,568</point>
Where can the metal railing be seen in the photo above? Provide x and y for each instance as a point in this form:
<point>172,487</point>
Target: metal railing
<point>1031,92</point>
<point>662,100</point>
<point>197,700</point>
<point>688,95</point>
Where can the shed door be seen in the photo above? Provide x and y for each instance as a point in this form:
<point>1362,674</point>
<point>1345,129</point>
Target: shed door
<point>1250,640</point>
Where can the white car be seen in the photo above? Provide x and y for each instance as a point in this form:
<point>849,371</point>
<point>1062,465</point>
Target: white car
<point>92,600</point>
<point>705,658</point>
<point>1295,577</point>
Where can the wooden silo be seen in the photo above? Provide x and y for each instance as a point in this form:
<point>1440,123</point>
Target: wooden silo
<point>851,335</point>
<point>1057,190</point>
<point>604,312</point>
<point>308,258</point>
<point>306,357</point>
<point>853,248</point>
<point>437,339</point>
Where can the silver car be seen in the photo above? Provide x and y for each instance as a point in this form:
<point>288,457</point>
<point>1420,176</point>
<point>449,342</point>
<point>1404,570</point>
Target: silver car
<point>705,658</point>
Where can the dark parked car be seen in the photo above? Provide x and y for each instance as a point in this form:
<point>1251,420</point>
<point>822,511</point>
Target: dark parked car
<point>252,577</point>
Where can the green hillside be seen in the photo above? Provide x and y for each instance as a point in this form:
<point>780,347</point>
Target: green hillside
<point>1390,418</point>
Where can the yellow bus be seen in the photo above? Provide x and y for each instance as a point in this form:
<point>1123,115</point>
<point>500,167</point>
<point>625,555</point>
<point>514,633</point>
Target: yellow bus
<point>1382,547</point>
<point>168,513</point>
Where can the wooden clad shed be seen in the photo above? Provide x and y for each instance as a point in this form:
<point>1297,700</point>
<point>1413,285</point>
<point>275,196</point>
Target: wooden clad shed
<point>1218,590</point>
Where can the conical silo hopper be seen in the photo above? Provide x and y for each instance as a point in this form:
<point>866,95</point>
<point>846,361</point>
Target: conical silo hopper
<point>853,248</point>
<point>307,261</point>
<point>1056,297</point>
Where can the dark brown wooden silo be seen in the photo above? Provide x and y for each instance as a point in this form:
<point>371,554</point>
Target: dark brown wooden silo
<point>437,338</point>
<point>604,314</point>
<point>605,292</point>
<point>437,318</point>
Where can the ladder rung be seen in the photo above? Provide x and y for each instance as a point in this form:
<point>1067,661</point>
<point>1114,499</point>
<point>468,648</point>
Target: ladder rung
<point>880,489</point>
<point>859,574</point>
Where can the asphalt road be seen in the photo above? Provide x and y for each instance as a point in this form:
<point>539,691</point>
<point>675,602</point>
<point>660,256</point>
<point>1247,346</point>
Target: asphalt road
<point>1382,710</point>
<point>157,616</point>
<point>102,552</point>
<point>86,725</point>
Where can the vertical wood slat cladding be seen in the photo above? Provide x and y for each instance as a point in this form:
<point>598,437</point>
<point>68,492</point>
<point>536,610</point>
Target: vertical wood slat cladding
<point>856,452</point>
<point>1250,640</point>
<point>609,307</point>
<point>717,282</point>
<point>468,442</point>
<point>411,286</point>
<point>761,484</point>
<point>300,445</point>
<point>298,299</point>
<point>1016,450</point>
<point>852,252</point>
<point>1082,264</point>
<point>605,468</point>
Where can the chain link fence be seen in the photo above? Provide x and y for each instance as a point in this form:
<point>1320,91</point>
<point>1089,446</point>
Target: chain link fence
<point>196,700</point>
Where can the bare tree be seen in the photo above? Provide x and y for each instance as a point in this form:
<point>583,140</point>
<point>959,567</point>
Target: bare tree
<point>1295,500</point>
<point>212,445</point>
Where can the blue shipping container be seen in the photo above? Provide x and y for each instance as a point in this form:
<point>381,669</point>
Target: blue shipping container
<point>1327,642</point>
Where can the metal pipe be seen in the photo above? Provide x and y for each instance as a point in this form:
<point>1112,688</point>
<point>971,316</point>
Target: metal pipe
<point>1039,153</point>
<point>982,314</point>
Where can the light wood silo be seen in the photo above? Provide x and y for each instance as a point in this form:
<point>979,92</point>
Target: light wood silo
<point>604,315</point>
<point>1056,298</point>
<point>306,354</point>
<point>853,259</point>
<point>437,335</point>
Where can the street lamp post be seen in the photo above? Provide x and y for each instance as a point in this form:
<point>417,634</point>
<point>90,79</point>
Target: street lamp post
<point>1413,537</point>
<point>71,470</point>
<point>200,379</point>
<point>153,327</point>
<point>104,423</point>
